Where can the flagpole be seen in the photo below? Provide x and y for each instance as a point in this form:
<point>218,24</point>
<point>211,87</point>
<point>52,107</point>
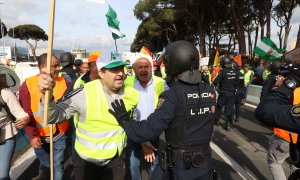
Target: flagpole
<point>116,45</point>
<point>48,93</point>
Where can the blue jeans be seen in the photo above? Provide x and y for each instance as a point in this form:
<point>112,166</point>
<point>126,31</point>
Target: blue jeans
<point>43,154</point>
<point>134,152</point>
<point>7,149</point>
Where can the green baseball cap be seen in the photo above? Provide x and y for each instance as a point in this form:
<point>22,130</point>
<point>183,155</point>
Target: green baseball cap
<point>109,60</point>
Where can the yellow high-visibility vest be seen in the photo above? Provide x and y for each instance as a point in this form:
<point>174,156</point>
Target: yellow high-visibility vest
<point>159,85</point>
<point>99,136</point>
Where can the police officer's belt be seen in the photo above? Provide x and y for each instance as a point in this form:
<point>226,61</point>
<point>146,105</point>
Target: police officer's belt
<point>204,149</point>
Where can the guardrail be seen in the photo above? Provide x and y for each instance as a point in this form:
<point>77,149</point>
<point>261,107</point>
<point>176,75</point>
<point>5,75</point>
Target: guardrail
<point>254,94</point>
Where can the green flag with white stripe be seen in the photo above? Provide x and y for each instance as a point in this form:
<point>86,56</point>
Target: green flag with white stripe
<point>113,23</point>
<point>268,50</point>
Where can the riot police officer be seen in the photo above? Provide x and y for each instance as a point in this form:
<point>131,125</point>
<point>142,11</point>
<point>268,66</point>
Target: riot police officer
<point>227,84</point>
<point>239,93</point>
<point>67,62</point>
<point>185,112</point>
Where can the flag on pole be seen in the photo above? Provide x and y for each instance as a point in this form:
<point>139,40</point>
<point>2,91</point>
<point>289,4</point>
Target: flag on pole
<point>238,60</point>
<point>113,23</point>
<point>97,1</point>
<point>217,58</point>
<point>268,50</point>
<point>145,51</point>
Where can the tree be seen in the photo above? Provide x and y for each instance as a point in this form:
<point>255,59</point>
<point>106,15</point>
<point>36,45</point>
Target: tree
<point>27,32</point>
<point>3,30</point>
<point>298,39</point>
<point>284,9</point>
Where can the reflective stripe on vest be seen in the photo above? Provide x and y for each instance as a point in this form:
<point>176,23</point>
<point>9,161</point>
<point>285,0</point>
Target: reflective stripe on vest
<point>35,96</point>
<point>99,136</point>
<point>284,134</point>
<point>159,85</point>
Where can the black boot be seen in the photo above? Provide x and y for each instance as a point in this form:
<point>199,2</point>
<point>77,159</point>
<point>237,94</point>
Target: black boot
<point>217,122</point>
<point>227,126</point>
<point>237,119</point>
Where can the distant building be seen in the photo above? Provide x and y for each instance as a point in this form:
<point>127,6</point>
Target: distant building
<point>79,53</point>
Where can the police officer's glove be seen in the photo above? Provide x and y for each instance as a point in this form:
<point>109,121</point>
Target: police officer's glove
<point>119,112</point>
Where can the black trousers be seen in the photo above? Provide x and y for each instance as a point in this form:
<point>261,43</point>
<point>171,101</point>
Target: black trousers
<point>238,101</point>
<point>114,170</point>
<point>226,99</point>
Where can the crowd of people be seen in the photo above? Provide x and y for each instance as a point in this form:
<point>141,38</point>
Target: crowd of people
<point>108,113</point>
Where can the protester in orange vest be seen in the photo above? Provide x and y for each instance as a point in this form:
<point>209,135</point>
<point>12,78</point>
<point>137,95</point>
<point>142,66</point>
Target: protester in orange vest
<point>37,132</point>
<point>279,146</point>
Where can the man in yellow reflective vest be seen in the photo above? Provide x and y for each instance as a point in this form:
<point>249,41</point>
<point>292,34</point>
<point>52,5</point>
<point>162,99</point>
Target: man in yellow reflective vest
<point>38,133</point>
<point>92,74</point>
<point>100,140</point>
<point>248,74</point>
<point>149,88</point>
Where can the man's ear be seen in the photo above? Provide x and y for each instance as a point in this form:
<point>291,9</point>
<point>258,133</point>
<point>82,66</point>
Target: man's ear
<point>42,66</point>
<point>100,73</point>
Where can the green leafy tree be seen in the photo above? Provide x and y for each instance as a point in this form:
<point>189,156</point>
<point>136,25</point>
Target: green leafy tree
<point>27,32</point>
<point>284,10</point>
<point>3,30</point>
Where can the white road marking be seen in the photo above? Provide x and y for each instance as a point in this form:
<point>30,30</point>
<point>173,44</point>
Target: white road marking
<point>250,105</point>
<point>239,169</point>
<point>22,164</point>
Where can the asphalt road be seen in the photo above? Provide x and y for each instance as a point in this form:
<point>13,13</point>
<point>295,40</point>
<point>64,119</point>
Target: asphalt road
<point>238,154</point>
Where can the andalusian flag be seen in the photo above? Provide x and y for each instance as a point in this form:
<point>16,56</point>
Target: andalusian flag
<point>268,50</point>
<point>217,58</point>
<point>113,23</point>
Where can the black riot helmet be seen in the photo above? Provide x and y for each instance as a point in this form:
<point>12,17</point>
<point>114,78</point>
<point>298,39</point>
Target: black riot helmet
<point>66,59</point>
<point>275,66</point>
<point>226,62</point>
<point>234,65</point>
<point>182,58</point>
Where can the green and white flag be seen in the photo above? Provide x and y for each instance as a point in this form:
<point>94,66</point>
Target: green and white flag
<point>268,50</point>
<point>113,23</point>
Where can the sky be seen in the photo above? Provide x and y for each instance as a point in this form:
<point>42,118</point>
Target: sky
<point>77,22</point>
<point>83,23</point>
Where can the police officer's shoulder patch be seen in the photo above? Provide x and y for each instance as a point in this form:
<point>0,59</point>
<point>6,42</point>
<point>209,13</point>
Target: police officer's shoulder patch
<point>296,110</point>
<point>160,102</point>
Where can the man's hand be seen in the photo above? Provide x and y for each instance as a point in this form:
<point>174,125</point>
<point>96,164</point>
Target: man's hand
<point>22,122</point>
<point>46,82</point>
<point>119,112</point>
<point>279,81</point>
<point>36,142</point>
<point>149,151</point>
